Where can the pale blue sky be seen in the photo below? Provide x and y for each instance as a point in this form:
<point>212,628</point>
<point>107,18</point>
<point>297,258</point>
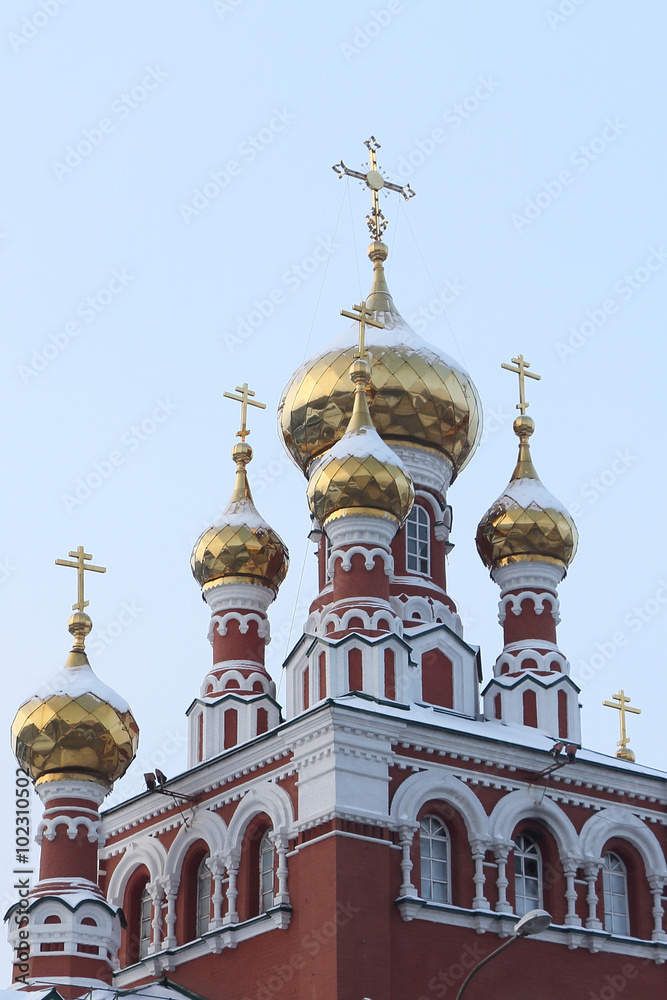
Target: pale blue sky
<point>484,107</point>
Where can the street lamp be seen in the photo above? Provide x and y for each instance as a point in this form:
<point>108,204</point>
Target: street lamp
<point>532,922</point>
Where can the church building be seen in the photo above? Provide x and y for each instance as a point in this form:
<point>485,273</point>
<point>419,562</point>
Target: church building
<point>386,829</point>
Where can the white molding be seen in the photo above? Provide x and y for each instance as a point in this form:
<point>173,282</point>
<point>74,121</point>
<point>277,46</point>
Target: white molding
<point>72,788</point>
<point>427,468</point>
<point>528,575</point>
<point>230,596</point>
<point>361,529</point>
<point>219,622</point>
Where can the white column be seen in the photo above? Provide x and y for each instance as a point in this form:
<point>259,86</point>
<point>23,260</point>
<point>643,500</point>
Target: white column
<point>406,834</point>
<point>169,884</point>
<point>480,902</point>
<point>591,872</point>
<point>231,861</point>
<point>281,843</point>
<point>501,852</point>
<point>216,866</point>
<point>657,884</point>
<point>570,870</point>
<point>156,893</point>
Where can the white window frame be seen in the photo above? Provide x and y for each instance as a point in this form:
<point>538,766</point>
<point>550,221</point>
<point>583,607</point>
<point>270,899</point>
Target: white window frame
<point>203,897</point>
<point>616,908</point>
<point>267,865</point>
<point>435,871</point>
<point>145,922</point>
<point>526,849</point>
<point>418,536</point>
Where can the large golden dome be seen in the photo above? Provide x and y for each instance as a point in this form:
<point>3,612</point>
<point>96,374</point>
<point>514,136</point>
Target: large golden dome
<point>240,545</point>
<point>360,472</point>
<point>526,522</point>
<point>75,726</point>
<point>422,397</point>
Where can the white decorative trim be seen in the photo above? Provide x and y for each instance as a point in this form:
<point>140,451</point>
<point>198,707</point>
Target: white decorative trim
<point>528,575</point>
<point>369,622</point>
<point>429,611</point>
<point>614,821</point>
<point>361,529</point>
<point>220,622</point>
<point>345,555</point>
<point>72,788</point>
<point>427,468</point>
<point>47,828</point>
<point>538,599</point>
<point>253,596</point>
<point>543,661</point>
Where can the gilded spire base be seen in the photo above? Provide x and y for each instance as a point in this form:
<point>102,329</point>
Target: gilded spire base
<point>379,299</point>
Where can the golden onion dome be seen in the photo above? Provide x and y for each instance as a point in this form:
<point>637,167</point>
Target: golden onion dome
<point>240,545</point>
<point>422,397</point>
<point>360,473</point>
<point>75,726</point>
<point>526,522</point>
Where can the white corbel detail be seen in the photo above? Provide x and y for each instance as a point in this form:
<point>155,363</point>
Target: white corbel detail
<point>345,555</point>
<point>538,599</point>
<point>47,828</point>
<point>406,835</point>
<point>219,622</point>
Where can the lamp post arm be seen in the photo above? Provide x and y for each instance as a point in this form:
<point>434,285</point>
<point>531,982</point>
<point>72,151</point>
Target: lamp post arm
<point>473,972</point>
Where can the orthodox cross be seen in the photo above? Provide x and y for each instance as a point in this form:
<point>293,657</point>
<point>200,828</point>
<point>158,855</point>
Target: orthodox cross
<point>362,318</point>
<point>623,701</point>
<point>244,399</point>
<point>374,180</point>
<point>79,565</point>
<point>521,371</point>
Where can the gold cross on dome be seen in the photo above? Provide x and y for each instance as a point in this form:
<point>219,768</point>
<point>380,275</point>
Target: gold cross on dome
<point>79,565</point>
<point>521,371</point>
<point>621,702</point>
<point>244,399</point>
<point>374,180</point>
<point>362,318</point>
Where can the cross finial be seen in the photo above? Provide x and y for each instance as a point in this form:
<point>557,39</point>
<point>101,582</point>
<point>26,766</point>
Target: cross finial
<point>361,316</point>
<point>621,702</point>
<point>374,180</point>
<point>79,565</point>
<point>244,399</point>
<point>521,370</point>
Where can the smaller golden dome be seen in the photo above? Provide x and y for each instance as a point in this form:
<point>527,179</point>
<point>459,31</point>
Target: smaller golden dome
<point>75,726</point>
<point>240,545</point>
<point>360,472</point>
<point>526,522</point>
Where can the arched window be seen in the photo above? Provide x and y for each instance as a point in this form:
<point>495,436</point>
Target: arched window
<point>203,897</point>
<point>434,856</point>
<point>417,531</point>
<point>615,888</point>
<point>266,875</point>
<point>145,915</point>
<point>527,875</point>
